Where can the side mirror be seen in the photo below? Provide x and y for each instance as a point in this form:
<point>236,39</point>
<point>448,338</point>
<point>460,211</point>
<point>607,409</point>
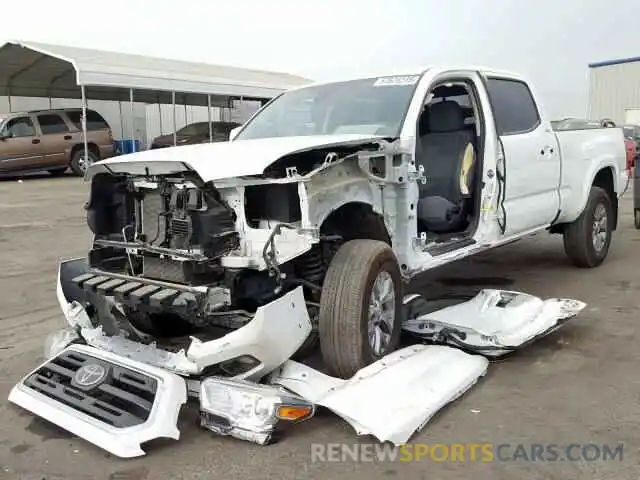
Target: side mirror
<point>234,132</point>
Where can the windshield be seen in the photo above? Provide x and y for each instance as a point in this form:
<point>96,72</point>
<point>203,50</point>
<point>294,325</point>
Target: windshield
<point>372,106</point>
<point>199,128</point>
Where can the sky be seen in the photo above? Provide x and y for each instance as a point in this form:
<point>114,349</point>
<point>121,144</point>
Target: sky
<point>551,42</point>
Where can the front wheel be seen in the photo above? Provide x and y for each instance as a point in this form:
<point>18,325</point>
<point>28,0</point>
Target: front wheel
<point>360,307</point>
<point>587,239</point>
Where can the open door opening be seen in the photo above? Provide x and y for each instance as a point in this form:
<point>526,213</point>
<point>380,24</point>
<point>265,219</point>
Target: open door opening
<point>450,145</point>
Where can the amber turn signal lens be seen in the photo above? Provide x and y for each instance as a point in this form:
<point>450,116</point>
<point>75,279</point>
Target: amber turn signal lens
<point>294,412</point>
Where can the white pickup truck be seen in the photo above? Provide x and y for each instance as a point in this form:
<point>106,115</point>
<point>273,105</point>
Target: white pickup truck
<point>306,225</point>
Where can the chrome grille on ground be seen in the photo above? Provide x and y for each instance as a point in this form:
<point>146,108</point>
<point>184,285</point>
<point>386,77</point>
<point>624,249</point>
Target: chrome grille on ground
<point>110,393</point>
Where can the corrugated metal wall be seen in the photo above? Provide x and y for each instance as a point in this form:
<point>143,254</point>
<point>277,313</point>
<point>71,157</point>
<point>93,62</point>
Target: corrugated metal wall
<point>146,119</point>
<point>612,89</point>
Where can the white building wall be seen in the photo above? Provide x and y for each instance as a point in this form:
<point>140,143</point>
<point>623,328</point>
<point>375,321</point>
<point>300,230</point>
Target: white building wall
<point>613,89</point>
<point>147,121</point>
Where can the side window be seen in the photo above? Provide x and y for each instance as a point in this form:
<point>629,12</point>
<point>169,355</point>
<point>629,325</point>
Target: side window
<point>19,127</point>
<point>94,120</point>
<point>52,124</point>
<point>513,106</point>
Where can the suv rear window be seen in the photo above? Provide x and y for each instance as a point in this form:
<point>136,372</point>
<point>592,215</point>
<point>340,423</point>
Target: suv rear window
<point>51,123</point>
<point>94,120</point>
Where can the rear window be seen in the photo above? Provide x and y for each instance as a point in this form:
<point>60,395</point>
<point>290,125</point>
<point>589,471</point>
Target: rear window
<point>51,123</point>
<point>94,120</point>
<point>513,106</point>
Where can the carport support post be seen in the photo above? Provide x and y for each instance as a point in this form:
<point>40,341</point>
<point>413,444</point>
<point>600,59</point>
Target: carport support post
<point>121,121</point>
<point>160,114</point>
<point>84,126</point>
<point>133,121</point>
<point>209,117</point>
<point>173,105</point>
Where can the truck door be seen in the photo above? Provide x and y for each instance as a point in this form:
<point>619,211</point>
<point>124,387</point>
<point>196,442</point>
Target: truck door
<point>55,138</point>
<point>531,161</point>
<point>19,149</point>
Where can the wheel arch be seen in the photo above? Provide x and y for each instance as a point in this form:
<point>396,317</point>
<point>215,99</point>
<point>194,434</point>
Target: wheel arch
<point>603,176</point>
<point>356,220</point>
<point>605,179</point>
<point>93,148</point>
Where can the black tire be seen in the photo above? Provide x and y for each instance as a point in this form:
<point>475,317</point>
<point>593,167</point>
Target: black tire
<point>344,306</point>
<point>578,236</point>
<point>57,172</point>
<point>636,218</point>
<point>77,162</point>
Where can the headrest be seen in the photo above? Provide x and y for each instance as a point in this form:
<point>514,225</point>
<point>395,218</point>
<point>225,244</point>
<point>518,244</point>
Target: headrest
<point>446,116</point>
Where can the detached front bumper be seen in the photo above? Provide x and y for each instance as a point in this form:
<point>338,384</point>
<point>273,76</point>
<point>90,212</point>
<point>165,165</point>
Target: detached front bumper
<point>275,333</point>
<point>113,402</point>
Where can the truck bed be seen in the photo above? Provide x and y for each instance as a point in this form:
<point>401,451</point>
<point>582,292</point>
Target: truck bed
<point>584,152</point>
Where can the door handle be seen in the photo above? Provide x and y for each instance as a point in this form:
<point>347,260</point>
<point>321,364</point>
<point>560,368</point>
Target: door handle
<point>67,137</point>
<point>547,150</point>
<point>35,140</point>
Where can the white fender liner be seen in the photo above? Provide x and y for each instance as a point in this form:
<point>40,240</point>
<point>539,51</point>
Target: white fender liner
<point>113,402</point>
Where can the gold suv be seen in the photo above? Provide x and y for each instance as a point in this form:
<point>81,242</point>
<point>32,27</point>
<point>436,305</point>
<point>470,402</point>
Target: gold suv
<point>52,140</point>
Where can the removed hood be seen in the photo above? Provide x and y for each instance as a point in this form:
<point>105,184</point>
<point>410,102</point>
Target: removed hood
<point>217,161</point>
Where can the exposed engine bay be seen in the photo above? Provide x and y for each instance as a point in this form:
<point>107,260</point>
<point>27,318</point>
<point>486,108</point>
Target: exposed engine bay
<point>160,243</point>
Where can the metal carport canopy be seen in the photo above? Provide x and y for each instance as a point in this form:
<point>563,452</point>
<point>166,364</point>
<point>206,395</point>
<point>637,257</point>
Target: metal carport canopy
<point>31,69</point>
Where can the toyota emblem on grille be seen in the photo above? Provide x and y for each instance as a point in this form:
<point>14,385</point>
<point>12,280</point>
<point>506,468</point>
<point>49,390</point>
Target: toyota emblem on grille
<point>90,375</point>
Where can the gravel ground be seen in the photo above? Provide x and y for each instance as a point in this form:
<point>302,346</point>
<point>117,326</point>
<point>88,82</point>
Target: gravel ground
<point>576,386</point>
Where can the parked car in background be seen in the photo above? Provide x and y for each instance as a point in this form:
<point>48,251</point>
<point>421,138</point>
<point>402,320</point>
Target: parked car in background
<point>51,140</point>
<point>632,132</point>
<point>196,133</point>
<point>632,150</point>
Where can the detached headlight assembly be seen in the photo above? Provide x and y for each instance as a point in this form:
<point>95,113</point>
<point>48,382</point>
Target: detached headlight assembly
<point>249,411</point>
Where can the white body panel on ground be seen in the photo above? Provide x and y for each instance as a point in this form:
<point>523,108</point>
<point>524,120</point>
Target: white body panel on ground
<point>392,398</point>
<point>494,322</point>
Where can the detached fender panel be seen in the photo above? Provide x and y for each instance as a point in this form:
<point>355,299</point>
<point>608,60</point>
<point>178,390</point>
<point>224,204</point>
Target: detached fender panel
<point>60,391</point>
<point>409,386</point>
<point>493,323</point>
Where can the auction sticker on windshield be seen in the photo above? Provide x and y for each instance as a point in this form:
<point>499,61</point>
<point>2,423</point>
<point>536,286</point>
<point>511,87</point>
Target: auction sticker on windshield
<point>396,81</point>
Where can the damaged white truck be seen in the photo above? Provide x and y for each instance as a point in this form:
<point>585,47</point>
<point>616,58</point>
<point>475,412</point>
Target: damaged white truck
<point>213,265</point>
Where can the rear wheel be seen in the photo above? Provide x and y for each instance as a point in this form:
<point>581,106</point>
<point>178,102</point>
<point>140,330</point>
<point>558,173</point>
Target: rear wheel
<point>636,218</point>
<point>360,307</point>
<point>79,165</point>
<point>587,239</point>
